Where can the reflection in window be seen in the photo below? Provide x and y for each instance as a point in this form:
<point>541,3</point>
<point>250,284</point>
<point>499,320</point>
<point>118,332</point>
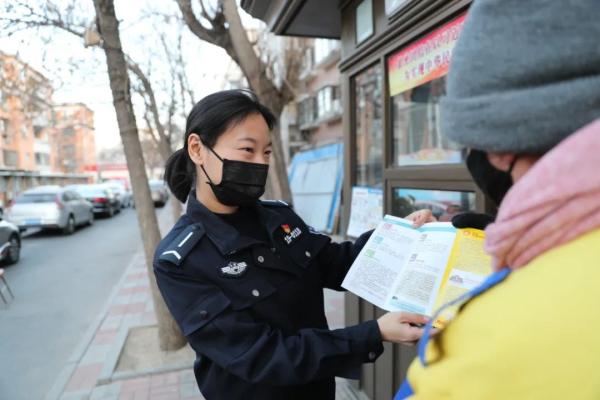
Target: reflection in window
<point>416,127</point>
<point>444,204</point>
<point>369,127</point>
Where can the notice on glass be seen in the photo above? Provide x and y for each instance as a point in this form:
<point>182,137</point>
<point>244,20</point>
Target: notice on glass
<point>402,268</point>
<point>365,211</point>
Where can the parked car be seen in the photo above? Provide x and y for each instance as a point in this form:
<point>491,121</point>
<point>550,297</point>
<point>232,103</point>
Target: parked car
<point>103,200</point>
<point>123,195</point>
<point>160,193</point>
<point>10,241</point>
<point>50,207</point>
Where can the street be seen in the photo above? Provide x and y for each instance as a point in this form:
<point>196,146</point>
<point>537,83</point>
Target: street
<point>61,284</point>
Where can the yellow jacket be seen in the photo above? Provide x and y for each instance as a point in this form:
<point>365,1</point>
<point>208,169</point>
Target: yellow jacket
<point>534,336</point>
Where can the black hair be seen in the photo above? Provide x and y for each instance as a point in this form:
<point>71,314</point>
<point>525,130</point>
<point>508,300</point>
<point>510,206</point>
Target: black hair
<point>210,118</point>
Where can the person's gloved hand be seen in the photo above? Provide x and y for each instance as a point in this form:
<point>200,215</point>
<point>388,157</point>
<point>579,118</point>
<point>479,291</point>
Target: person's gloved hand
<point>472,220</point>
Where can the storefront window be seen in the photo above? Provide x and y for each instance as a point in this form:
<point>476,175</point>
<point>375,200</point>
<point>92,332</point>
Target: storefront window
<point>417,80</point>
<point>443,203</point>
<point>369,127</point>
<point>416,127</point>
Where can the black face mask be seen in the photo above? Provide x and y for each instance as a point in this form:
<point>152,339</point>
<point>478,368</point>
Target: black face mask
<point>492,182</point>
<point>242,182</point>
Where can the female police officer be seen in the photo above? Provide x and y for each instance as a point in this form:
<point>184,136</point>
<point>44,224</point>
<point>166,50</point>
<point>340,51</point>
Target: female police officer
<point>243,278</point>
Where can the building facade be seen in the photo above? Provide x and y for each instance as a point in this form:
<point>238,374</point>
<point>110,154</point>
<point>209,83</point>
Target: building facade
<point>30,132</point>
<point>318,105</point>
<point>74,140</point>
<point>394,59</point>
<point>26,117</point>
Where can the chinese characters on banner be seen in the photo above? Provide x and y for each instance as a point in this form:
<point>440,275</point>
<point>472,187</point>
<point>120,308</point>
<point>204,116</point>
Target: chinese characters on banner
<point>424,60</point>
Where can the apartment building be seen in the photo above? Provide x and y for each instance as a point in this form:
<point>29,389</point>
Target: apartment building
<point>74,141</point>
<point>26,117</point>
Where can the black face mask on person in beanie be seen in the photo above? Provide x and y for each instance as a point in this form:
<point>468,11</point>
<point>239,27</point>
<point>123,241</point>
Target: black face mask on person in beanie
<point>492,182</point>
<point>242,183</point>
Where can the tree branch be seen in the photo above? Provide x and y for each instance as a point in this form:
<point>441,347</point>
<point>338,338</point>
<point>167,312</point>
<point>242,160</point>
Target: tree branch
<point>208,35</point>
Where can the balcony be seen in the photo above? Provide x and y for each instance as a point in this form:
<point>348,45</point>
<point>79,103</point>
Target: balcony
<point>323,108</point>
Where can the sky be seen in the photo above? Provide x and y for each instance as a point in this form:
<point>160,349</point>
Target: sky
<point>53,53</point>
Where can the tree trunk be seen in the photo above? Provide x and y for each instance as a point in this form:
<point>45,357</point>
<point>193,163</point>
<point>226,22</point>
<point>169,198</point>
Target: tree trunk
<point>278,177</point>
<point>170,336</point>
<point>255,72</point>
<point>176,206</point>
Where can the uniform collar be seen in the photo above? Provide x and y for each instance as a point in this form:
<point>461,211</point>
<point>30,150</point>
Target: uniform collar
<point>225,237</point>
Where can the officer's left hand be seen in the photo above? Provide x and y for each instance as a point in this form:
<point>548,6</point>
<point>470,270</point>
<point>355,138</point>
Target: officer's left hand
<point>402,327</point>
<point>421,217</point>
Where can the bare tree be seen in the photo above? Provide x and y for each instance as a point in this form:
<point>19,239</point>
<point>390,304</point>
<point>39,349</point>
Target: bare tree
<point>223,27</point>
<point>163,130</point>
<point>108,27</point>
<point>118,64</point>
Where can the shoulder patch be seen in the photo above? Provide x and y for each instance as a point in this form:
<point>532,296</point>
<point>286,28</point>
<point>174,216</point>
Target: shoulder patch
<point>275,203</point>
<point>181,246</point>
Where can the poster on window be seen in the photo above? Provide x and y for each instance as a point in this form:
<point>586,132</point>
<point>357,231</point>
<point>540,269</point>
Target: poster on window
<point>366,210</point>
<point>425,60</point>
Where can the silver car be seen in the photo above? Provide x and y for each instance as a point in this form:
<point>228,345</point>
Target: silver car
<point>50,207</point>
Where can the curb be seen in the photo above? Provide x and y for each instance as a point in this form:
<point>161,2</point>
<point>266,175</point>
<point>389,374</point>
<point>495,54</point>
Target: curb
<point>110,363</point>
<point>119,376</point>
<point>65,374</point>
<point>63,377</point>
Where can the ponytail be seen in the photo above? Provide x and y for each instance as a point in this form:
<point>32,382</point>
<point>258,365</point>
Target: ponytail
<point>179,174</point>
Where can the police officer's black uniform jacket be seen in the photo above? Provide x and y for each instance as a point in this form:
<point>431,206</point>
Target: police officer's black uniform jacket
<point>253,310</point>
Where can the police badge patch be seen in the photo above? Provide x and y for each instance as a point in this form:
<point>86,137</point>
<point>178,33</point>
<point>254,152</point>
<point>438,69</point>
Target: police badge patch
<point>290,234</point>
<point>234,269</point>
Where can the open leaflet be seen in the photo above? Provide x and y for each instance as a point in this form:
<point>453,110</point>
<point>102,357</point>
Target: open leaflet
<point>401,268</point>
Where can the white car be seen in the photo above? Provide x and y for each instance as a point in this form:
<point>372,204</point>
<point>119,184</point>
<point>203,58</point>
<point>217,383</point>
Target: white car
<point>50,207</point>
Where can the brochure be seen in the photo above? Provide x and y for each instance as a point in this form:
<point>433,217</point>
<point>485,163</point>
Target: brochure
<point>402,268</point>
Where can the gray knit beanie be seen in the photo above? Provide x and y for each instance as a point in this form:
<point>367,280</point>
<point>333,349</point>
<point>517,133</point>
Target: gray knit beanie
<point>524,74</point>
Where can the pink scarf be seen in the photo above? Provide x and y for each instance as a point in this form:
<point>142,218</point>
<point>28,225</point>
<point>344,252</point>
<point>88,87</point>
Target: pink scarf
<point>556,201</point>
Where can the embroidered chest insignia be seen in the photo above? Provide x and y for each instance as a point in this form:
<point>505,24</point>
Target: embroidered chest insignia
<point>290,234</point>
<point>234,269</point>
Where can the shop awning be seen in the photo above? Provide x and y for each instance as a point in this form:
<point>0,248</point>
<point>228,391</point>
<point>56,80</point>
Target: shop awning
<point>310,18</point>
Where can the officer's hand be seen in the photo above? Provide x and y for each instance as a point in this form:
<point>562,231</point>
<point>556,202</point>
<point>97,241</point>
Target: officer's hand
<point>395,327</point>
<point>421,217</point>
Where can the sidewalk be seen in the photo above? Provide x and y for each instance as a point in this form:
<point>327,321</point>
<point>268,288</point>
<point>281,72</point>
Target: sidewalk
<point>90,373</point>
